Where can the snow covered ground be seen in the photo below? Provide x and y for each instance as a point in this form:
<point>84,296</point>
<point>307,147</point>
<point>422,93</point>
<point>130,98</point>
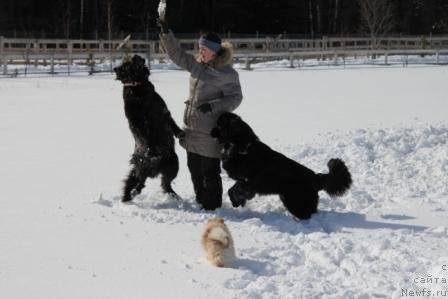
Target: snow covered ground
<point>65,146</point>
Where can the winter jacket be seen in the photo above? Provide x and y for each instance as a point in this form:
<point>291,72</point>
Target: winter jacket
<point>216,83</point>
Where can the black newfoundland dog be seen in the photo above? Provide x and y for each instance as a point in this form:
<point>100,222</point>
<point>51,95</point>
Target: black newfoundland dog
<point>153,129</point>
<point>258,169</point>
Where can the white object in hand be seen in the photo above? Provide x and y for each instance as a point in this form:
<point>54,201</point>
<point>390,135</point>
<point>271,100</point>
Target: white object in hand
<point>162,9</point>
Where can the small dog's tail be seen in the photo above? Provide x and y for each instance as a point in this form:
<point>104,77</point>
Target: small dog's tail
<point>338,180</point>
<point>220,235</point>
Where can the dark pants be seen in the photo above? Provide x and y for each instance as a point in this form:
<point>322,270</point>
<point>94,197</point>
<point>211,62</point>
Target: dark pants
<point>205,174</point>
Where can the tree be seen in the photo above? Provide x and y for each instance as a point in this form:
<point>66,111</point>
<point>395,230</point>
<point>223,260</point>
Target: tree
<point>103,18</point>
<point>109,14</point>
<point>377,17</point>
<point>311,19</point>
<point>66,18</point>
<point>435,16</point>
<point>334,15</point>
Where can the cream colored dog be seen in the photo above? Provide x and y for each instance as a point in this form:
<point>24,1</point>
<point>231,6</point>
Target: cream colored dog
<point>218,243</point>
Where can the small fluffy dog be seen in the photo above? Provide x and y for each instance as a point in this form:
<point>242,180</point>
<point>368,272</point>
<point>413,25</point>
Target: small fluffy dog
<point>153,128</point>
<point>218,243</point>
<point>258,169</point>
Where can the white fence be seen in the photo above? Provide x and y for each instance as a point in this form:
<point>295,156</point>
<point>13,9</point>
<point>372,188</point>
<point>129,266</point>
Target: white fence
<point>48,52</point>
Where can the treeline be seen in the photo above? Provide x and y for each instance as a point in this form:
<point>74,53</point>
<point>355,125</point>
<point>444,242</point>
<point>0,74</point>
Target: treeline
<point>92,19</point>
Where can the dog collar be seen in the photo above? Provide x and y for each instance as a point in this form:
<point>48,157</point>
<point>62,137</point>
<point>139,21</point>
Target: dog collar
<point>228,151</point>
<point>132,84</point>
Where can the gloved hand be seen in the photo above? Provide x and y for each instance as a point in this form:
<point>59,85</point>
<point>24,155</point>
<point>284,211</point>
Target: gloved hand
<point>163,25</point>
<point>204,108</point>
<point>161,9</point>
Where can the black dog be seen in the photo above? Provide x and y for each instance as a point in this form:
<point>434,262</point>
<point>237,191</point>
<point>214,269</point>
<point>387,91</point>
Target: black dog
<point>258,169</point>
<point>153,129</point>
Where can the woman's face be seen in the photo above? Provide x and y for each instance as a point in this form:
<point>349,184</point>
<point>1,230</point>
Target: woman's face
<point>206,54</point>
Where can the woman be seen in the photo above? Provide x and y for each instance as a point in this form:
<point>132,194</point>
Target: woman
<point>214,88</point>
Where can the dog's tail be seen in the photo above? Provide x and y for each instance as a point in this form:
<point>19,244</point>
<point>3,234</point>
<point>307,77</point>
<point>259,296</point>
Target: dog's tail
<point>220,235</point>
<point>221,254</point>
<point>338,180</point>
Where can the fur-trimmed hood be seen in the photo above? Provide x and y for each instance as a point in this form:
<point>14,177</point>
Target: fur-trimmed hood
<point>226,57</point>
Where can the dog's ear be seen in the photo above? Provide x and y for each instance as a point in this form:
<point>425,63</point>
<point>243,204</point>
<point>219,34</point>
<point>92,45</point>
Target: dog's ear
<point>138,60</point>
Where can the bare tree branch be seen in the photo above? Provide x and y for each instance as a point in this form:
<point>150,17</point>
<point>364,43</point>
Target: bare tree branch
<point>377,17</point>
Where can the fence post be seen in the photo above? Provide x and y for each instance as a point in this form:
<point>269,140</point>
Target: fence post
<point>27,58</point>
<point>291,61</point>
<point>52,65</point>
<point>153,48</point>
<point>437,57</point>
<point>69,53</point>
<point>324,42</point>
<point>101,50</point>
<point>1,46</point>
<point>386,58</point>
<point>91,64</point>
<point>247,67</point>
<point>148,54</point>
<point>36,52</point>
<point>3,60</point>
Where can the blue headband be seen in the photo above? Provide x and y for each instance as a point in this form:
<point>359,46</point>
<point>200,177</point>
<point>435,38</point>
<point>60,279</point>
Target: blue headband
<point>215,47</point>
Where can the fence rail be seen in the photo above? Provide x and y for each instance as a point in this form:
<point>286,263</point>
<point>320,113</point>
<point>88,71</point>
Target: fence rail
<point>62,51</point>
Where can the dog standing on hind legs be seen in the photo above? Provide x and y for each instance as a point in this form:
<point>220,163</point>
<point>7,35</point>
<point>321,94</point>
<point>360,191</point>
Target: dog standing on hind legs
<point>153,129</point>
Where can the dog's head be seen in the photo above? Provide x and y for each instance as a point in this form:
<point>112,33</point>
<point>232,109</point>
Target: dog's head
<point>215,220</point>
<point>132,71</point>
<point>230,128</point>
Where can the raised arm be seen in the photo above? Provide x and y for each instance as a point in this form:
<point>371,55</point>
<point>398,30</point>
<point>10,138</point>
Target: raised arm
<point>177,54</point>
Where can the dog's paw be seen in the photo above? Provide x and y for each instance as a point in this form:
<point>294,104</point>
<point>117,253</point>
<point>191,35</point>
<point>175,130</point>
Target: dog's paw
<point>238,202</point>
<point>235,203</point>
<point>242,202</point>
<point>237,198</point>
<point>126,198</point>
